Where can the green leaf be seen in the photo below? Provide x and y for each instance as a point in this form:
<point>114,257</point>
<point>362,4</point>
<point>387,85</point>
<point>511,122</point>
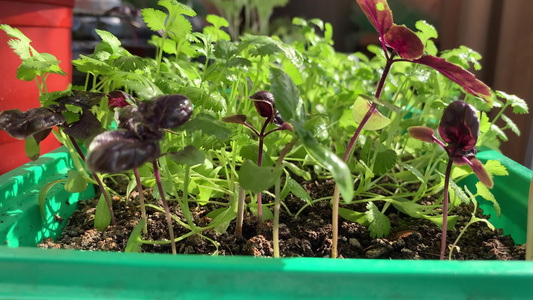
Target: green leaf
<point>86,64</point>
<point>258,179</point>
<point>437,220</point>
<point>75,182</point>
<point>189,156</point>
<point>267,213</point>
<point>518,104</point>
<point>495,167</point>
<point>379,223</point>
<point>129,63</point>
<point>385,160</point>
<point>134,241</point>
<point>354,216</point>
<point>179,28</point>
<point>208,125</point>
<point>102,216</point>
<point>338,168</point>
<point>222,220</point>
<point>457,191</point>
<point>427,29</point>
<point>43,192</point>
<point>217,21</point>
<point>225,49</point>
<point>511,124</point>
<point>176,8</point>
<point>110,39</point>
<point>376,122</point>
<point>484,192</point>
<point>298,191</point>
<point>293,72</point>
<point>286,95</point>
<point>33,150</point>
<point>155,19</point>
<point>484,123</point>
<point>250,152</point>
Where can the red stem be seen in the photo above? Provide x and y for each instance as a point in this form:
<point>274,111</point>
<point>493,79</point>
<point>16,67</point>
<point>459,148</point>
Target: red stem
<point>165,206</point>
<point>260,163</point>
<point>445,208</point>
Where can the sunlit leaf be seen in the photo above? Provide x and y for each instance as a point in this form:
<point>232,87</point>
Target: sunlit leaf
<point>379,223</point>
<point>354,216</point>
<point>376,122</point>
<point>75,182</point>
<point>404,41</point>
<point>102,216</point>
<point>518,104</point>
<point>134,244</point>
<point>378,14</point>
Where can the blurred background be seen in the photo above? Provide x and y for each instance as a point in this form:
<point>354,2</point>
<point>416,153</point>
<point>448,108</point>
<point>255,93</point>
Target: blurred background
<point>499,30</point>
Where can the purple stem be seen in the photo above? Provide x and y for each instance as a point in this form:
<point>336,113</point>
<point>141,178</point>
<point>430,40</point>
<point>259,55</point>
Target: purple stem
<point>260,163</point>
<point>100,184</point>
<point>445,208</point>
<point>165,206</point>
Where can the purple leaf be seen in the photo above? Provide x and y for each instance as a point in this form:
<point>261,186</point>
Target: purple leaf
<point>481,173</point>
<point>79,98</point>
<point>459,125</point>
<point>166,112</point>
<point>120,150</point>
<point>264,104</point>
<point>458,75</point>
<point>22,125</point>
<point>378,13</point>
<point>86,127</point>
<point>422,133</point>
<point>404,41</point>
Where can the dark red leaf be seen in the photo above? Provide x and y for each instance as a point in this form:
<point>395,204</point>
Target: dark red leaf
<point>118,99</point>
<point>264,103</point>
<point>378,13</point>
<point>481,173</point>
<point>459,125</point>
<point>404,41</point>
<point>22,125</point>
<point>120,150</point>
<point>165,112</point>
<point>86,127</point>
<point>422,133</point>
<point>458,75</point>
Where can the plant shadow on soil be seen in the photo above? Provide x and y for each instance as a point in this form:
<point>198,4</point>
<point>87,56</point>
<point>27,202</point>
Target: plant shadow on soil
<point>309,235</point>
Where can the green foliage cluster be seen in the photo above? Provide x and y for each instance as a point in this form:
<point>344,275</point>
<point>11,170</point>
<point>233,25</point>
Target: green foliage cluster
<point>315,89</point>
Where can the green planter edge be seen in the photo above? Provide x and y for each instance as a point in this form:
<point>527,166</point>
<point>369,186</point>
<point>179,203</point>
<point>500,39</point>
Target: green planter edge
<point>31,273</point>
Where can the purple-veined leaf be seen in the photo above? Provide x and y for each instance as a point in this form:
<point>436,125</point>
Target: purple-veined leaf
<point>378,13</point>
<point>21,125</point>
<point>118,99</point>
<point>120,150</point>
<point>376,122</point>
<point>459,125</point>
<point>458,75</point>
<point>165,112</point>
<point>78,98</point>
<point>404,41</point>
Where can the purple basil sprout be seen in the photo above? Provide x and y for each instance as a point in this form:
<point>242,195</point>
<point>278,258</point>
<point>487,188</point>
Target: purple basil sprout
<point>459,128</point>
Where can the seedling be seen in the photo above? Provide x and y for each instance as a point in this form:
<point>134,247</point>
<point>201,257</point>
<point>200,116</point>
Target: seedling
<point>264,105</point>
<point>459,128</point>
<point>137,142</point>
<point>404,46</point>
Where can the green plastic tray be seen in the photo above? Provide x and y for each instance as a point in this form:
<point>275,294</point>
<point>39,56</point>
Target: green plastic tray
<point>30,273</point>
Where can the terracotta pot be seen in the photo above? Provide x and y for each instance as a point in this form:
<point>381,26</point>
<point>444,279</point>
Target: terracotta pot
<point>48,24</point>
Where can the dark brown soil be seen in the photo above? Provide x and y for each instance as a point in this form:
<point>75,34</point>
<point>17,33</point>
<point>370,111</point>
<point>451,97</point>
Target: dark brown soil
<point>309,235</point>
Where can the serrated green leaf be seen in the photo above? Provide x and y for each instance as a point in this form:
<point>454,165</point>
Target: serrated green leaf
<point>86,64</point>
<point>415,172</point>
<point>110,39</point>
<point>258,179</point>
<point>495,167</point>
<point>225,49</point>
<point>354,216</point>
<point>33,150</point>
<point>129,63</point>
<point>102,216</point>
<point>176,8</point>
<point>379,223</point>
<point>484,192</point>
<point>429,31</point>
<point>43,192</point>
<point>385,160</point>
<point>518,104</point>
<point>179,28</point>
<point>20,44</point>
<point>154,18</point>
<point>499,132</point>
<point>217,21</point>
<point>484,122</point>
<point>75,182</point>
<point>511,124</point>
<point>134,241</point>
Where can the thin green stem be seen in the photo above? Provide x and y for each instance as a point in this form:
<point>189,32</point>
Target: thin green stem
<point>141,198</point>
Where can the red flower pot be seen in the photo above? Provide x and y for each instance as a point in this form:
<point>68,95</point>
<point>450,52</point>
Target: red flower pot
<point>48,24</point>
